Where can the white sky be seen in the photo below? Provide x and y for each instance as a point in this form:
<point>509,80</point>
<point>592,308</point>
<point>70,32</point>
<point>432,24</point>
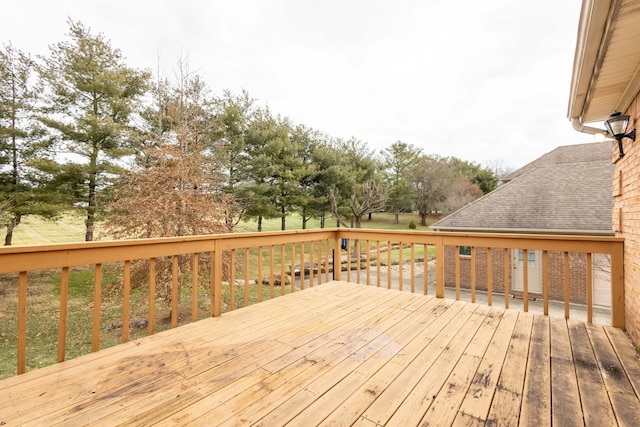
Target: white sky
<point>479,80</point>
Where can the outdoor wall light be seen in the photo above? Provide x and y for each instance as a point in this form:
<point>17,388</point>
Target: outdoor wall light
<point>617,127</point>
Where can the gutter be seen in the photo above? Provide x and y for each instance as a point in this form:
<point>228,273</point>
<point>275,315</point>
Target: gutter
<point>554,231</point>
<point>594,32</point>
<point>580,127</point>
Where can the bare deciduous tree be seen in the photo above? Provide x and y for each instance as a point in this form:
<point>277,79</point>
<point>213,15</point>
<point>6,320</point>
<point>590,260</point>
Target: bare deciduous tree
<point>372,197</point>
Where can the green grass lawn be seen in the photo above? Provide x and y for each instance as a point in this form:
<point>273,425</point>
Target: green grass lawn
<point>34,230</point>
<point>70,227</point>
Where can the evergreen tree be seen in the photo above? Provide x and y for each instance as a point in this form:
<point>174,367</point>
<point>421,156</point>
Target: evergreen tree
<point>484,178</point>
<point>398,159</point>
<point>275,169</point>
<point>27,169</point>
<point>259,193</point>
<point>358,189</point>
<point>307,141</point>
<point>234,116</point>
<point>90,98</point>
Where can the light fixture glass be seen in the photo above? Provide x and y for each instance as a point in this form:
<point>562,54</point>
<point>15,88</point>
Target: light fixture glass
<point>617,124</point>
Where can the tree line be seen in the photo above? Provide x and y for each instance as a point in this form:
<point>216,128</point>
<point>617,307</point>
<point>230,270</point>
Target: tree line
<point>152,156</point>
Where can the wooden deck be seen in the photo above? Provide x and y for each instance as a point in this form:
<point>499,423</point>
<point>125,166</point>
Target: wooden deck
<point>345,354</point>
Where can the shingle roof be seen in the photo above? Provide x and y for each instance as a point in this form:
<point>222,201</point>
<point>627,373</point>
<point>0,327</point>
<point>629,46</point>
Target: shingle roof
<point>555,194</point>
<point>578,153</point>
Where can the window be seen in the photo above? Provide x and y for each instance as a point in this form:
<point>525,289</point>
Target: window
<point>465,250</point>
<point>531,255</point>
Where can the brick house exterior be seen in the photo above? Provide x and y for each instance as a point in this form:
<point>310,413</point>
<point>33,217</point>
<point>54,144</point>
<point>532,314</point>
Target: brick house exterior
<point>566,191</point>
<point>556,274</point>
<point>605,79</point>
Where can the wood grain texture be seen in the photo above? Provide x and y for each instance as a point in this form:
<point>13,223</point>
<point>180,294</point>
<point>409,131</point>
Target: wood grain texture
<point>345,354</point>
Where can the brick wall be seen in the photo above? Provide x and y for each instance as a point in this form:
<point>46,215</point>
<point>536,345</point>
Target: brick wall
<point>497,257</point>
<point>626,219</point>
<point>577,273</point>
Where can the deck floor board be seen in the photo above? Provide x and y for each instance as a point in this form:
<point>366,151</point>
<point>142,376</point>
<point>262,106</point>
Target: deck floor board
<point>345,354</point>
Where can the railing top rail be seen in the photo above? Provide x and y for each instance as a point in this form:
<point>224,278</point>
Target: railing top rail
<point>38,257</point>
<point>482,235</point>
<point>157,240</point>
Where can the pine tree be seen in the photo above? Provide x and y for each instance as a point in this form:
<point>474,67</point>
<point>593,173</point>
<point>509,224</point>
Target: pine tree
<point>91,95</point>
<point>27,168</point>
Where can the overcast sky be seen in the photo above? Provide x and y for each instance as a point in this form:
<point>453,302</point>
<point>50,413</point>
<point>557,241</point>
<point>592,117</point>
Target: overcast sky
<point>479,80</point>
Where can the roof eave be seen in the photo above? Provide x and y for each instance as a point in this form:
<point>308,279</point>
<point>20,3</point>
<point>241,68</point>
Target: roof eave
<point>525,231</point>
<point>591,32</point>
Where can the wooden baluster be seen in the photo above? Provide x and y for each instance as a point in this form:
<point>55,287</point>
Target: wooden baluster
<point>326,263</point>
<point>349,260</point>
<point>302,249</point>
<point>64,301</point>
<point>260,273</point>
<point>425,280</point>
<point>507,262</point>
<point>319,273</point>
<point>271,272</point>
<point>216,274</point>
<point>292,267</point>
<point>195,278</point>
<point>413,268</point>
<point>175,273</point>
<point>567,291</point>
<point>22,322</point>
<point>356,250</point>
<point>457,255</point>
<point>151,327</point>
<point>388,265</point>
<point>525,278</point>
<point>368,262</point>
<point>246,277</point>
<point>489,277</point>
<point>590,287</point>
<point>378,262</point>
<point>440,254</point>
<point>400,265</point>
<point>283,283</point>
<point>337,258</point>
<point>545,282</point>
<point>126,301</point>
<point>97,302</point>
<point>473,274</point>
<point>232,281</point>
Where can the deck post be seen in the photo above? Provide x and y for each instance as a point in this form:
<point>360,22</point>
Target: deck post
<point>617,285</point>
<point>440,267</point>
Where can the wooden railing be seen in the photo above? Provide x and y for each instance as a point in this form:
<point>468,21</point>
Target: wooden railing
<point>225,272</point>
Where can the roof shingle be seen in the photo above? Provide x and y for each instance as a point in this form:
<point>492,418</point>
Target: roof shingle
<point>567,190</point>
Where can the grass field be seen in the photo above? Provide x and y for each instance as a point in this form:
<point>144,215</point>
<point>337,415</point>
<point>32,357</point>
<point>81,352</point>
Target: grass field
<point>43,308</point>
<point>70,228</point>
<point>34,230</point>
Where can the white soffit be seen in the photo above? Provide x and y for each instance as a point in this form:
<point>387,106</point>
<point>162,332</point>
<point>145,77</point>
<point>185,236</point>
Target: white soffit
<point>606,75</point>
